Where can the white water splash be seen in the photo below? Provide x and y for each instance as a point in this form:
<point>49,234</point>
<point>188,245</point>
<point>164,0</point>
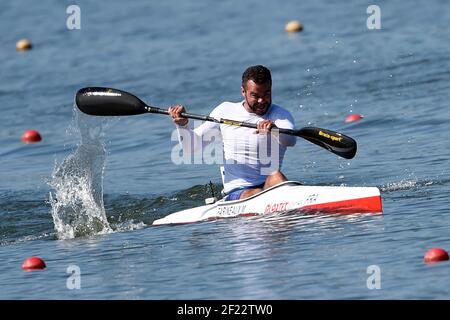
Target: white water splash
<point>399,185</point>
<point>407,184</point>
<point>77,202</point>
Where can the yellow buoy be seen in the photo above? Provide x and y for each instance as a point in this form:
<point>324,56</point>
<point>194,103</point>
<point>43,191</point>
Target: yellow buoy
<point>23,45</point>
<point>294,26</point>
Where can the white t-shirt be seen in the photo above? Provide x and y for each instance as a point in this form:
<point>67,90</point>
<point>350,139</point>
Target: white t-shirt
<point>248,157</point>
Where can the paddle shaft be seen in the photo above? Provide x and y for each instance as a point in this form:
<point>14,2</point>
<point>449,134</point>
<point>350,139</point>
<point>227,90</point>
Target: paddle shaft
<point>219,120</point>
<point>100,101</point>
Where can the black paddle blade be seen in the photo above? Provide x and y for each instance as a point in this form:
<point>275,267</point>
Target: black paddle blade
<point>334,142</point>
<point>98,101</point>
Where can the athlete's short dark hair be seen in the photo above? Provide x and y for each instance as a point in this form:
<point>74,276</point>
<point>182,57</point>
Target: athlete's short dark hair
<point>259,74</point>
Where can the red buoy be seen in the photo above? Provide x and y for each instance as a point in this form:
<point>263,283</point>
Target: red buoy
<point>31,136</point>
<point>33,263</point>
<point>353,117</point>
<point>435,255</point>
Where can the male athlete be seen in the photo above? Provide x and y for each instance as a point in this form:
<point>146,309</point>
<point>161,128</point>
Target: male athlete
<point>247,171</point>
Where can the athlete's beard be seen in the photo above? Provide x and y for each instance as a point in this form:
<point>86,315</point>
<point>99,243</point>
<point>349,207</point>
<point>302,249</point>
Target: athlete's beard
<point>254,107</point>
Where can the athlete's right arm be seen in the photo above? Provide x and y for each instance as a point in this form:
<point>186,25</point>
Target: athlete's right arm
<point>192,140</point>
<point>175,112</point>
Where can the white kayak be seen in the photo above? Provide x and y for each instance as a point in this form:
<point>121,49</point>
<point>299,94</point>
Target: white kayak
<point>287,196</point>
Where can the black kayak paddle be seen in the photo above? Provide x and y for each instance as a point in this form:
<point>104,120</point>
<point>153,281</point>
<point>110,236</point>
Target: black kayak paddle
<point>99,101</point>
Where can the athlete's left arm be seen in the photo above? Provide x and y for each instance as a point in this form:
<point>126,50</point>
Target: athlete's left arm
<point>286,121</point>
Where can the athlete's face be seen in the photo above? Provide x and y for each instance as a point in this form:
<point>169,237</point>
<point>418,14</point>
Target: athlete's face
<point>258,97</point>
